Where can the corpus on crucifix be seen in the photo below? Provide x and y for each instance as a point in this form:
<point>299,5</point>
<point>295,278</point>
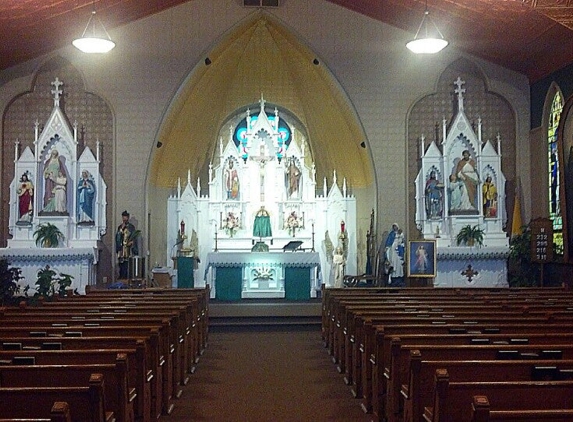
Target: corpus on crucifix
<point>262,159</point>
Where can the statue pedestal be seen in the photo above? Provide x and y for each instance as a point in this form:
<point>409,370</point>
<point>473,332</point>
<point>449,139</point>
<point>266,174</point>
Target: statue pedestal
<point>471,267</point>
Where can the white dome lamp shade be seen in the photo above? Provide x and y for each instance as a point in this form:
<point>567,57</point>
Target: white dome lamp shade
<point>427,40</point>
<point>94,40</point>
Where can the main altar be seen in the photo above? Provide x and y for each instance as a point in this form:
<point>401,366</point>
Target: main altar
<point>57,184</point>
<point>461,184</point>
<point>264,228</point>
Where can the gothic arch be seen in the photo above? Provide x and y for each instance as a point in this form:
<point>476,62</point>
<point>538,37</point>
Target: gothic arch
<point>426,115</point>
<point>92,113</point>
<point>261,56</point>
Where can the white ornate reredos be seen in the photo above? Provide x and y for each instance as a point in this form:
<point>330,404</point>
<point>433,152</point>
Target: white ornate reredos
<point>460,183</point>
<point>55,184</point>
<point>262,165</point>
<point>450,190</point>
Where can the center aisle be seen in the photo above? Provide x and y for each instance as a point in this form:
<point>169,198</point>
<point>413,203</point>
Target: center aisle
<point>266,376</point>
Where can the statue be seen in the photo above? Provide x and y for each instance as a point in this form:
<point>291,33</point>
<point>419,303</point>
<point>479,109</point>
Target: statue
<point>55,199</point>
<point>388,246</point>
<point>434,197</point>
<point>396,260</point>
<point>232,181</point>
<point>262,225</point>
<point>466,179</point>
<point>293,179</point>
<point>86,193</point>
<point>489,192</point>
<point>339,263</point>
<point>25,199</point>
<point>125,244</point>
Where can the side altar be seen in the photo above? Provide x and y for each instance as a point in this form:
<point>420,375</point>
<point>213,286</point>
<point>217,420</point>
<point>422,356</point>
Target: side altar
<point>461,184</point>
<point>262,194</point>
<point>56,185</point>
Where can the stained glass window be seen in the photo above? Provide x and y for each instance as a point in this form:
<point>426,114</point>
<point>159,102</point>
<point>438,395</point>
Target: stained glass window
<point>553,169</point>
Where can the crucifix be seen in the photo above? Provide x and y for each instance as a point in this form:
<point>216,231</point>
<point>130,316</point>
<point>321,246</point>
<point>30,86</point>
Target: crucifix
<point>262,159</point>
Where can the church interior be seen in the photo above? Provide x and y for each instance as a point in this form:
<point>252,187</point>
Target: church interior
<point>250,170</point>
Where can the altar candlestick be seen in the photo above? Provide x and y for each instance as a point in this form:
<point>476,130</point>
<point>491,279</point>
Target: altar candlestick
<point>216,249</point>
<point>312,250</point>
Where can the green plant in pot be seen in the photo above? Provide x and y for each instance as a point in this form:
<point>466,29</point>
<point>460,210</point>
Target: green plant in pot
<point>48,235</point>
<point>470,236</point>
<point>49,283</point>
<point>9,277</point>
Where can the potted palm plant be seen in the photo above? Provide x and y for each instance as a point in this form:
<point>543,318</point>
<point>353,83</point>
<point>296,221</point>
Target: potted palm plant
<point>470,236</point>
<point>48,235</point>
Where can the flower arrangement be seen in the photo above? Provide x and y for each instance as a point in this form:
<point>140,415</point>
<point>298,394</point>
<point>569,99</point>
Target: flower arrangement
<point>231,224</point>
<point>292,223</point>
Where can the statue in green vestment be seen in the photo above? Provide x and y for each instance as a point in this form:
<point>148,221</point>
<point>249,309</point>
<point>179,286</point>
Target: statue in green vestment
<point>262,225</point>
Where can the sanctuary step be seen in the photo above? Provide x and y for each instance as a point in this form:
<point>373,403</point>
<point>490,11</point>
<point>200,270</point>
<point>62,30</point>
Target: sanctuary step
<point>260,314</point>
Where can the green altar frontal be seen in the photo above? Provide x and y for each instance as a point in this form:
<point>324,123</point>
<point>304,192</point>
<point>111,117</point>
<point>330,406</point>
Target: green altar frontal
<point>244,275</point>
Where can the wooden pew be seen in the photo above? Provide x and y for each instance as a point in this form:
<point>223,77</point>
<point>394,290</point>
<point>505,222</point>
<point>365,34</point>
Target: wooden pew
<point>195,301</point>
<point>94,350</point>
<point>417,392</point>
<point>350,352</point>
<point>554,302</point>
<point>60,413</point>
<point>139,395</point>
<point>375,351</point>
<point>453,400</point>
<point>119,396</point>
<point>78,319</point>
<point>482,412</point>
<point>188,326</point>
<point>159,351</point>
<point>179,332</point>
<point>397,373</point>
<point>123,305</point>
<point>87,404</point>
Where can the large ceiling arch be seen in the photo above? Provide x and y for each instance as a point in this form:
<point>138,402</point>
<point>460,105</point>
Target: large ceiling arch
<point>260,57</point>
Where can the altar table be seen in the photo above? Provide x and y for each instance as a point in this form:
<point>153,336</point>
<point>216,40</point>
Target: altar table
<point>242,275</point>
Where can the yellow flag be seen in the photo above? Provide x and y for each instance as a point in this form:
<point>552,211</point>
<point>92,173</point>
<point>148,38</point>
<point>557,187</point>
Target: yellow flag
<point>516,222</point>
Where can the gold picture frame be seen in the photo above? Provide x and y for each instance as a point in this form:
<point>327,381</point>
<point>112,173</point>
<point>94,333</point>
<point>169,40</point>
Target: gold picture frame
<point>422,258</point>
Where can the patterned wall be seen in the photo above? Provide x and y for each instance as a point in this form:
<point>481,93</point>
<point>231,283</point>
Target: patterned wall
<point>92,114</point>
<point>495,112</point>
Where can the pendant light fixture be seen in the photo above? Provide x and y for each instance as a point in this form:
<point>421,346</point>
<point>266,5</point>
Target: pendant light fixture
<point>95,38</point>
<point>428,39</point>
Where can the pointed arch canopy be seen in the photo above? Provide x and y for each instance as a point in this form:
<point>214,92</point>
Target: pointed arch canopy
<point>260,56</point>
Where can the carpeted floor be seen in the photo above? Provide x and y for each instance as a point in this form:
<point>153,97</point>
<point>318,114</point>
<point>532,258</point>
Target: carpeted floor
<point>266,376</point>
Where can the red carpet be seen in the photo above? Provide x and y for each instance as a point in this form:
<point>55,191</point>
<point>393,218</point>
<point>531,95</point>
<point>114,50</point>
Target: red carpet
<point>266,376</point>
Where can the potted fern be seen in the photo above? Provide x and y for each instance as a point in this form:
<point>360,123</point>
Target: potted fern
<point>48,235</point>
<point>470,236</point>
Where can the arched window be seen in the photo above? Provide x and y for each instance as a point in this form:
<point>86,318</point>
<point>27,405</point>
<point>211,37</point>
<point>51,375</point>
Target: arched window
<point>553,169</point>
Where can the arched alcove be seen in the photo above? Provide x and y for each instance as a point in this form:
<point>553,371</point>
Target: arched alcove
<point>89,110</point>
<point>261,56</point>
<point>427,114</point>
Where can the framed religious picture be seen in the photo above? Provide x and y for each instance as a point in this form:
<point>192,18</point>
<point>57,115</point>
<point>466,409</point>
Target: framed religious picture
<point>422,258</point>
